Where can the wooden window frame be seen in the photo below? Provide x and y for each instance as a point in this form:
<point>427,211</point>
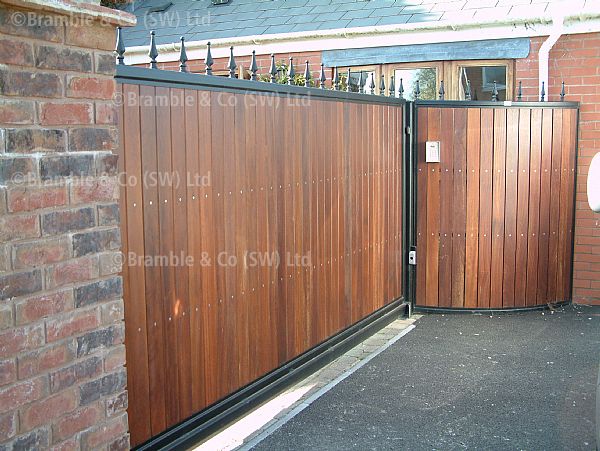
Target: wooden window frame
<point>437,65</point>
<point>454,75</point>
<point>376,68</point>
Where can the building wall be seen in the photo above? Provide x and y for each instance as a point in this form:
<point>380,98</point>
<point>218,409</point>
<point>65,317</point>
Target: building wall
<point>62,374</point>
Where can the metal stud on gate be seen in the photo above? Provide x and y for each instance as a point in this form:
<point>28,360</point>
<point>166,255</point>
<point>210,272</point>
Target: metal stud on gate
<point>468,90</point>
<point>291,74</point>
<point>392,87</point>
<point>520,91</point>
<point>153,53</point>
<point>562,91</point>
<point>495,92</point>
<point>183,57</point>
<point>120,47</point>
<point>231,64</point>
<point>322,77</point>
<point>253,66</point>
<point>208,61</point>
<point>382,85</point>
<point>417,90</point>
<point>543,92</point>
<point>336,79</point>
<point>273,69</point>
<point>442,91</point>
<point>401,90</point>
<point>307,76</point>
<point>372,84</point>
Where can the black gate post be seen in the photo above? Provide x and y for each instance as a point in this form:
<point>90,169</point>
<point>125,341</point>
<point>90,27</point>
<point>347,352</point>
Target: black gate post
<point>409,201</point>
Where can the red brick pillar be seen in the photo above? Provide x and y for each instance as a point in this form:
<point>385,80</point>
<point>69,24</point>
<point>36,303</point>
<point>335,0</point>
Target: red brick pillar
<point>62,375</point>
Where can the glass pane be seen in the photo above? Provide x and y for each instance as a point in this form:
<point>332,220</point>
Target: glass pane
<point>482,82</point>
<point>355,77</point>
<point>427,82</point>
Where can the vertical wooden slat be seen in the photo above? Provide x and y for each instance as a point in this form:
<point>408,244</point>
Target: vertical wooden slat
<point>472,211</point>
<point>433,213</point>
<point>446,207</point>
<point>510,220</point>
<point>555,194</point>
<point>498,212</point>
<point>459,208</point>
<point>570,149</point>
<point>422,236</point>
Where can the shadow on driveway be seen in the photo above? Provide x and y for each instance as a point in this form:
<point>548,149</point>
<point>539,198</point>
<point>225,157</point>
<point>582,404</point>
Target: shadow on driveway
<point>465,381</point>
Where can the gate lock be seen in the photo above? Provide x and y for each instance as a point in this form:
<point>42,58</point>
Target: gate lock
<point>412,257</point>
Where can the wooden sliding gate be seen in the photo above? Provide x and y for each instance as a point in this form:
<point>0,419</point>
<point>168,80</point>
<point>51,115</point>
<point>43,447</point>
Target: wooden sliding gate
<point>495,215</point>
<point>258,220</point>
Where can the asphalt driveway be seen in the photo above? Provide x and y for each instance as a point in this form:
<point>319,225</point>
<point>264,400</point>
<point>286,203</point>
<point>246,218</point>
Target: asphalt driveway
<point>522,381</point>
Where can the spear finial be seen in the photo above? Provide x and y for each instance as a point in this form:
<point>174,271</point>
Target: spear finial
<point>322,78</point>
<point>120,47</point>
<point>291,72</point>
<point>153,53</point>
<point>253,66</point>
<point>231,64</point>
<point>562,92</point>
<point>442,91</point>
<point>208,60</point>
<point>273,69</point>
<point>183,57</point>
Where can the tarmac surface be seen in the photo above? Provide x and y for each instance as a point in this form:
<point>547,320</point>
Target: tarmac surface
<point>518,381</point>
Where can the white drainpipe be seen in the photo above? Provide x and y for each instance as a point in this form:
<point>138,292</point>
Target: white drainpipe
<point>556,32</point>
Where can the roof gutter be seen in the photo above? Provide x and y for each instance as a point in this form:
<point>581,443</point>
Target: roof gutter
<point>362,37</point>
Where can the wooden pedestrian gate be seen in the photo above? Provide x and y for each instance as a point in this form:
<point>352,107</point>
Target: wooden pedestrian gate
<point>495,215</point>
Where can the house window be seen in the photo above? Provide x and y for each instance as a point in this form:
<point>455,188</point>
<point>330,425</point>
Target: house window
<point>482,78</point>
<point>368,72</point>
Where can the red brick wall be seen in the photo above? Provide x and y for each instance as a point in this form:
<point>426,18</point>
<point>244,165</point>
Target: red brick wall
<point>62,375</point>
<point>575,59</point>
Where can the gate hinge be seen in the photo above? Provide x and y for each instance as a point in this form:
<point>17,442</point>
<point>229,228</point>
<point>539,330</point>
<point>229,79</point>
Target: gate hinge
<point>408,130</point>
<point>412,257</point>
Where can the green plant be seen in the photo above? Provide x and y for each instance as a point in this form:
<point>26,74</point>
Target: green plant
<point>282,76</point>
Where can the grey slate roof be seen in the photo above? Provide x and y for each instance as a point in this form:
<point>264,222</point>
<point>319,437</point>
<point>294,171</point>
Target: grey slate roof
<point>200,20</point>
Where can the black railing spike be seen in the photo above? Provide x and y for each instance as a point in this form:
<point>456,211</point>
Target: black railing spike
<point>183,57</point>
<point>401,90</point>
<point>273,69</point>
<point>520,91</point>
<point>336,79</point>
<point>361,82</point>
<point>543,92</point>
<point>231,64</point>
<point>291,73</point>
<point>322,78</point>
<point>120,47</point>
<point>475,95</point>
<point>442,91</point>
<point>495,92</point>
<point>208,61</point>
<point>392,88</point>
<point>468,91</point>
<point>348,88</point>
<point>417,90</point>
<point>307,75</point>
<point>253,66</point>
<point>562,92</point>
<point>382,85</point>
<point>372,84</point>
<point>153,53</point>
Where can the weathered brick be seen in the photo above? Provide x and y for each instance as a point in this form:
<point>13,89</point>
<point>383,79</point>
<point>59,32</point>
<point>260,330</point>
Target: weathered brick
<point>107,385</point>
<point>53,167</point>
<point>90,87</point>
<point>8,425</point>
<point>105,63</point>
<point>30,24</point>
<point>116,404</point>
<point>14,227</point>
<point>115,359</point>
<point>6,317</point>
<point>108,215</point>
<point>62,58</point>
<point>22,393</point>
<point>56,406</point>
<point>104,189</point>
<point>102,290</point>
<point>15,52</point>
<point>20,284</point>
<point>112,312</point>
<point>77,421</point>
<point>40,252</point>
<point>30,84</point>
<point>96,36</point>
<point>71,444</point>
<point>99,339</point>
<point>75,323</point>
<point>111,263</point>
<point>73,271</point>
<point>8,371</point>
<point>107,164</point>
<point>96,241</point>
<point>46,304</point>
<point>21,339</point>
<point>5,258</point>
<point>16,112</point>
<point>76,373</point>
<point>32,197</point>
<point>104,433</point>
<point>106,113</point>
<point>29,140</point>
<point>68,220</point>
<point>120,444</point>
<point>92,139</point>
<point>38,439</point>
<point>17,169</point>
<point>53,113</point>
<point>46,358</point>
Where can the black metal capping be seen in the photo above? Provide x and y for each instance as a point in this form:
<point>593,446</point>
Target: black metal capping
<point>401,90</point>
<point>520,91</point>
<point>322,77</point>
<point>183,57</point>
<point>442,92</point>
<point>231,64</point>
<point>291,74</point>
<point>273,69</point>
<point>153,53</point>
<point>417,90</point>
<point>562,92</point>
<point>372,84</point>
<point>468,90</point>
<point>348,88</point>
<point>336,79</point>
<point>208,60</point>
<point>307,75</point>
<point>253,66</point>
<point>392,87</point>
<point>120,47</point>
<point>361,82</point>
<point>543,92</point>
<point>382,85</point>
<point>495,92</point>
